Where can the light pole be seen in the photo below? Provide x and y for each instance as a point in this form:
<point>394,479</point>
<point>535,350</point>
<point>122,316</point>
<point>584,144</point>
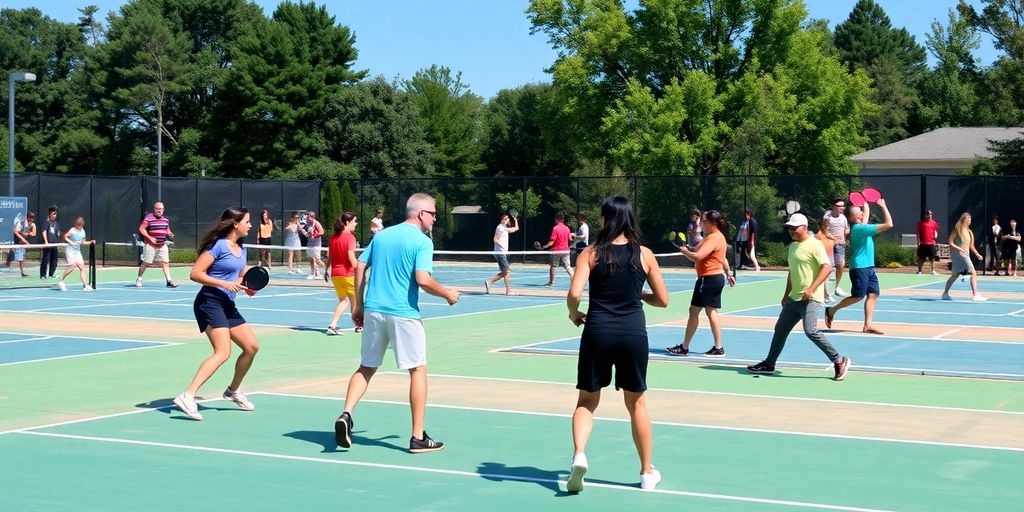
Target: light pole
<point>13,76</point>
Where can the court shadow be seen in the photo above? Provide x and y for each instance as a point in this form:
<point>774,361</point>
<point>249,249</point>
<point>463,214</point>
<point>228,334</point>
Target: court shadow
<point>326,440</point>
<point>308,329</point>
<point>779,374</point>
<point>166,406</point>
<point>498,472</point>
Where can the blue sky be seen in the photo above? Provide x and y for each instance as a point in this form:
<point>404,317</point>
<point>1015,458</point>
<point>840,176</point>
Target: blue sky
<point>489,41</point>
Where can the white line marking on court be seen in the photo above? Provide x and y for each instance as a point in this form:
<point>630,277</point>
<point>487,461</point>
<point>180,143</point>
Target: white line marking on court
<point>452,472</point>
<point>76,336</point>
<point>158,345</point>
<point>107,416</point>
<point>671,424</point>
<point>947,333</point>
<point>912,323</point>
<point>726,393</point>
<point>1015,313</point>
<point>37,338</point>
<point>62,308</point>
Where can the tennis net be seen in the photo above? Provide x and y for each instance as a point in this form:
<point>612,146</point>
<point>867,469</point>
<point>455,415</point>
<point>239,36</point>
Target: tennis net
<point>21,266</point>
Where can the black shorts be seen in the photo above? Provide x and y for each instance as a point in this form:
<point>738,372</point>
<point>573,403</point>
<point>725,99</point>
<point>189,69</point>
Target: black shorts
<point>213,308</point>
<point>928,252</point>
<point>599,352</point>
<point>1009,253</point>
<point>707,291</point>
<point>863,281</point>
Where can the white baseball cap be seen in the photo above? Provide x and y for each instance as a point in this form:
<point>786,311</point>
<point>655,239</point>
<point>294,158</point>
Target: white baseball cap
<point>797,220</point>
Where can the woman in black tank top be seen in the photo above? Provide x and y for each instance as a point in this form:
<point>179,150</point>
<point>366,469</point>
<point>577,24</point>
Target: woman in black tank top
<point>614,331</point>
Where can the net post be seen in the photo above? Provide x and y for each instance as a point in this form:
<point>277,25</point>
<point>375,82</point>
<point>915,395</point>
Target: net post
<point>92,265</point>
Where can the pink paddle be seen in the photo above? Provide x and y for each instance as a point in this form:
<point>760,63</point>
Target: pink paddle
<point>871,195</point>
<point>857,199</point>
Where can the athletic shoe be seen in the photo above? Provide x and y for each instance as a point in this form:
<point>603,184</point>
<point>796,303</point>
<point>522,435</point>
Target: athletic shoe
<point>86,288</point>
<point>934,273</point>
<point>239,398</point>
<point>841,365</point>
<point>138,282</point>
<point>678,350</point>
<point>576,471</point>
<point>715,352</point>
<point>187,404</point>
<point>945,296</point>
<point>650,480</point>
<point>424,445</point>
<point>829,317</point>
<point>979,298</point>
<point>762,368</point>
<point>840,293</point>
<point>311,277</point>
<point>172,284</point>
<point>358,329</point>
<point>919,273</point>
<point>487,286</point>
<point>333,331</point>
<point>343,430</point>
<point>828,299</point>
<point>62,287</point>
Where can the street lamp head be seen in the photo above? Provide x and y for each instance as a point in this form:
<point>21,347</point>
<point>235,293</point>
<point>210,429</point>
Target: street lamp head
<point>21,76</point>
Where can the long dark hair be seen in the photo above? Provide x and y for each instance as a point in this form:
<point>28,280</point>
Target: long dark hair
<point>339,223</point>
<point>714,217</point>
<point>228,219</point>
<point>619,219</point>
<point>269,221</point>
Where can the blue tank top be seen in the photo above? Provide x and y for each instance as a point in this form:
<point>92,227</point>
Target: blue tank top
<point>615,305</point>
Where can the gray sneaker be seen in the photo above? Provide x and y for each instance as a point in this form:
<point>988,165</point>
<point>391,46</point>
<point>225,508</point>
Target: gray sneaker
<point>239,398</point>
<point>424,445</point>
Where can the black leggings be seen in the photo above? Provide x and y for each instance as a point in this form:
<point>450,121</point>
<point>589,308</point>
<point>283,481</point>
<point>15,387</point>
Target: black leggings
<point>49,259</point>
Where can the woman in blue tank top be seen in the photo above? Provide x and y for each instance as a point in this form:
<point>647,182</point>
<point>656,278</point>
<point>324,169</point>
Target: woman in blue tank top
<point>615,331</point>
<point>219,268</point>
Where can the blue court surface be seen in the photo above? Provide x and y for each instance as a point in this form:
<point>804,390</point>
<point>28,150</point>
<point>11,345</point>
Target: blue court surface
<point>985,285</point>
<point>924,309</point>
<point>24,347</point>
<point>921,356</point>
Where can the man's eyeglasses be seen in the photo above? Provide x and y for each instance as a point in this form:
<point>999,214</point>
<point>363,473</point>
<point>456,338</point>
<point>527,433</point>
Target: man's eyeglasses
<point>838,205</point>
<point>432,213</point>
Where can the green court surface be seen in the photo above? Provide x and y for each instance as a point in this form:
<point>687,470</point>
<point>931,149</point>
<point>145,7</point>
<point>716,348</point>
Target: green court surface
<point>94,431</point>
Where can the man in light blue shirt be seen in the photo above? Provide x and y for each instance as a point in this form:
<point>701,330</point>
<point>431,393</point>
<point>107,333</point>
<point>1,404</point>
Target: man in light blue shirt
<point>863,280</point>
<point>400,261</point>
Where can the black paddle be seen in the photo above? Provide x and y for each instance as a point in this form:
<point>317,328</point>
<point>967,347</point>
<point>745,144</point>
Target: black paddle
<point>256,278</point>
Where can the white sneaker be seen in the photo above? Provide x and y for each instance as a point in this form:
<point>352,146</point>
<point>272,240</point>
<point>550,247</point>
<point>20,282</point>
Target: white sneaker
<point>62,287</point>
<point>576,471</point>
<point>934,273</point>
<point>919,272</point>
<point>840,293</point>
<point>945,296</point>
<point>650,480</point>
<point>138,282</point>
<point>828,299</point>
<point>188,405</point>
<point>979,298</point>
<point>239,398</point>
<point>311,277</point>
<point>86,288</point>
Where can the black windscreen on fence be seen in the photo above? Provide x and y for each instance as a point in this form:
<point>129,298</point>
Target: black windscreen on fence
<point>469,208</point>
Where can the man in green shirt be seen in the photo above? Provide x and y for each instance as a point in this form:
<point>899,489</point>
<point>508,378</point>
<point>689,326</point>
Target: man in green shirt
<point>808,269</point>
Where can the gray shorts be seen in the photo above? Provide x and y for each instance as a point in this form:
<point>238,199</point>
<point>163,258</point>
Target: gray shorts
<point>405,336</point>
<point>839,255</point>
<point>962,265</point>
<point>560,260</point>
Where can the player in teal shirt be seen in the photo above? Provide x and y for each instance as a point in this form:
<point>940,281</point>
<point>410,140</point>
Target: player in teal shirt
<point>863,280</point>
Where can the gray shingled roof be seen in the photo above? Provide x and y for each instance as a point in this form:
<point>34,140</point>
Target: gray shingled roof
<point>942,144</point>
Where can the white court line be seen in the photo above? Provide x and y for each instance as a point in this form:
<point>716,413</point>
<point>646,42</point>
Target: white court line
<point>62,308</point>
<point>1015,313</point>
<point>452,472</point>
<point>943,335</point>
<point>670,423</point>
<point>76,336</point>
<point>910,323</point>
<point>725,393</point>
<point>158,345</point>
<point>37,338</point>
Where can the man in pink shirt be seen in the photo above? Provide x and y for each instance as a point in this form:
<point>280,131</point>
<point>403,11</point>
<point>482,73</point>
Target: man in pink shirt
<point>559,244</point>
<point>927,231</point>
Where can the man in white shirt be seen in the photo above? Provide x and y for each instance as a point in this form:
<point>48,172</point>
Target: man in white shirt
<point>839,228</point>
<point>501,253</point>
<point>377,222</point>
<point>581,238</point>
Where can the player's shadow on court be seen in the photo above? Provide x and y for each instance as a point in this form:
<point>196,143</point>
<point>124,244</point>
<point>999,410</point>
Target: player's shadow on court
<point>166,406</point>
<point>326,440</point>
<point>498,472</point>
<point>780,373</point>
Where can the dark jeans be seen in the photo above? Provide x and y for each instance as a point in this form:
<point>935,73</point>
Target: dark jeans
<point>794,311</point>
<point>50,256</point>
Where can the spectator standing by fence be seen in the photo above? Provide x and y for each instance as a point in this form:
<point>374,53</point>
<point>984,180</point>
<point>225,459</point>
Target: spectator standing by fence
<point>992,239</point>
<point>1011,242</point>
<point>51,235</point>
<point>927,233</point>
<point>746,240</point>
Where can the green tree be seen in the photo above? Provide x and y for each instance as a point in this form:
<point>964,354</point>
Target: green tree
<point>949,95</point>
<point>56,126</point>
<point>685,87</point>
<point>1002,88</point>
<point>893,59</point>
<point>452,118</point>
<point>286,72</point>
<point>330,204</point>
<point>375,128</point>
<point>349,202</point>
<point>521,139</point>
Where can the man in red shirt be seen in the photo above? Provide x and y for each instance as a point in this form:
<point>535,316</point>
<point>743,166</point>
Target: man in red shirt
<point>559,244</point>
<point>927,232</point>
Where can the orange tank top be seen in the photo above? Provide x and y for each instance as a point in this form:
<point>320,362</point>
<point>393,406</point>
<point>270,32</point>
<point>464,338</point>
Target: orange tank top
<point>714,263</point>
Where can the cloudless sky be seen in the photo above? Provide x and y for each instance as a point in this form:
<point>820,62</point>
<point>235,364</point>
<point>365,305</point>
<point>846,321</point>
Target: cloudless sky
<point>489,41</point>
